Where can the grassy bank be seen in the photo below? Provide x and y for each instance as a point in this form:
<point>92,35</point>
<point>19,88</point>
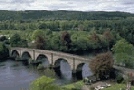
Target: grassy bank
<point>76,85</point>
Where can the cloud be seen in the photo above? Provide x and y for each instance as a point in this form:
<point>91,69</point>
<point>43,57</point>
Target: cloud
<point>22,1</point>
<point>80,5</point>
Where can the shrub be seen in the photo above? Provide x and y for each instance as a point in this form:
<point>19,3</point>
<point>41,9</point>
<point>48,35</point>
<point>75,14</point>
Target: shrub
<point>44,83</point>
<point>119,78</point>
<point>4,52</point>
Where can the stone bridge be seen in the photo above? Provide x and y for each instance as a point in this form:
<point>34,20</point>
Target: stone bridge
<point>53,57</point>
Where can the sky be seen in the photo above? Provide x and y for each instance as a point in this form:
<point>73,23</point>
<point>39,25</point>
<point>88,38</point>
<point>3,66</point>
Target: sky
<point>73,5</point>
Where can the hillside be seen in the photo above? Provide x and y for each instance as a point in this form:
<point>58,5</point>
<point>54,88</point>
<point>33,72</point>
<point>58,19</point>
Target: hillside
<point>61,15</point>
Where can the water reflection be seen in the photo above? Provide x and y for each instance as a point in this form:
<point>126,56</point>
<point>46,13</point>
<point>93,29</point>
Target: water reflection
<point>86,71</point>
<point>65,69</point>
<point>14,75</point>
<point>45,62</point>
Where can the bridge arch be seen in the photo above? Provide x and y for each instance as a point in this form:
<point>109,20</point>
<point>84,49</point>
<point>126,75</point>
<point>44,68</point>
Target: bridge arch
<point>83,70</point>
<point>15,54</point>
<point>43,59</point>
<point>26,55</point>
<point>64,68</point>
<point>55,58</point>
<point>58,62</point>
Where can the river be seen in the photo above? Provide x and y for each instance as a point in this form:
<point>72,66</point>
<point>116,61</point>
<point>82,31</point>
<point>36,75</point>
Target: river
<point>15,76</point>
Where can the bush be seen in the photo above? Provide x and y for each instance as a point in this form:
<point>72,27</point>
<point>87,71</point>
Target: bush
<point>44,83</point>
<point>119,78</point>
<point>4,52</point>
<point>3,38</point>
<point>50,73</point>
<point>40,67</point>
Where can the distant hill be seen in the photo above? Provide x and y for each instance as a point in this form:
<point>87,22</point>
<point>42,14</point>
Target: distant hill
<point>61,15</point>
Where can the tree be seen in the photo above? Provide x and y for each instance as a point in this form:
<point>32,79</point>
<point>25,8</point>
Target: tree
<point>124,52</point>
<point>108,37</point>
<point>40,43</point>
<point>65,38</point>
<point>38,33</point>
<point>102,64</point>
<point>44,83</point>
<point>43,26</point>
<point>55,42</point>
<point>4,52</point>
<point>3,38</point>
<point>95,41</point>
<point>80,41</point>
<point>15,40</point>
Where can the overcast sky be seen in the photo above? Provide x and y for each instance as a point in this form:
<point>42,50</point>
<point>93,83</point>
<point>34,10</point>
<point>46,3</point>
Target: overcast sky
<point>79,5</point>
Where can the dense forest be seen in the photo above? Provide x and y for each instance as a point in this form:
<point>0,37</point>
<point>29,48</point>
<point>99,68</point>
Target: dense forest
<point>68,31</point>
<point>62,15</point>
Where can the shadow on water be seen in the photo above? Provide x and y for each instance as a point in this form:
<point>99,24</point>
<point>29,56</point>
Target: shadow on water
<point>57,71</point>
<point>60,78</point>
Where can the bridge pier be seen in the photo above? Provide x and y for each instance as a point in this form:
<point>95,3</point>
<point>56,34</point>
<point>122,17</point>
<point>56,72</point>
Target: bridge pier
<point>52,59</point>
<point>74,64</point>
<point>33,54</point>
<point>74,75</point>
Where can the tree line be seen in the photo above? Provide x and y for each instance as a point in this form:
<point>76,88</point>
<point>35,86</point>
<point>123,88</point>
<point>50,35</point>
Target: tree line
<point>124,27</point>
<point>61,15</point>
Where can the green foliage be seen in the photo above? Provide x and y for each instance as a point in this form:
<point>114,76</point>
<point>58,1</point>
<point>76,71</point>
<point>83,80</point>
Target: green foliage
<point>66,15</point>
<point>3,38</point>
<point>74,86</point>
<point>55,41</point>
<point>50,73</point>
<point>40,67</point>
<point>80,41</point>
<point>88,31</point>
<point>119,78</point>
<point>44,83</point>
<point>42,26</point>
<point>4,53</point>
<point>124,52</point>
<point>16,41</point>
<point>38,33</point>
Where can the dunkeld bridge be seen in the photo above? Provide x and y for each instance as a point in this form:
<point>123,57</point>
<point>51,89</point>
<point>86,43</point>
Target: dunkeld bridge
<point>54,58</point>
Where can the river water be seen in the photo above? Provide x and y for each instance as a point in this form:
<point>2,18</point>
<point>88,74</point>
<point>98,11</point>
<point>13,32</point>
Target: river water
<point>15,76</point>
